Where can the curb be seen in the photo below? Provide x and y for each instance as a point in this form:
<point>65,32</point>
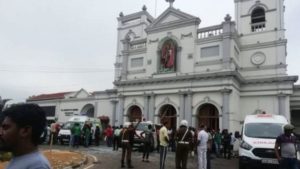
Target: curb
<point>80,164</point>
<point>77,165</point>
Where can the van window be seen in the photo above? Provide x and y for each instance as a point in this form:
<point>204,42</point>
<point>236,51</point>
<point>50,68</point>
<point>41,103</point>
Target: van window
<point>143,126</point>
<point>263,130</point>
<point>69,125</point>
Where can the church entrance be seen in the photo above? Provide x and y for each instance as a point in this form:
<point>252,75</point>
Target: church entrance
<point>88,110</point>
<point>208,115</point>
<point>168,113</point>
<point>134,114</point>
<point>295,119</point>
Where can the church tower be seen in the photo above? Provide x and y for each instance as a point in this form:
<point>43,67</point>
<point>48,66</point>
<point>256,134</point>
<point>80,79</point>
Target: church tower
<point>131,36</point>
<point>262,58</point>
<point>260,25</point>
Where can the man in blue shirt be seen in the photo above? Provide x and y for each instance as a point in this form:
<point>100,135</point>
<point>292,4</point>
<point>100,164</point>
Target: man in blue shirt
<point>20,131</point>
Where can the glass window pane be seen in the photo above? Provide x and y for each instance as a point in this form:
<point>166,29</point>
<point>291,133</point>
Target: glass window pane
<point>210,51</point>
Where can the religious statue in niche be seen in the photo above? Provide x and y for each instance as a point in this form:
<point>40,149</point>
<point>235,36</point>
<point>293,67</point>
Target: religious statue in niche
<point>168,56</point>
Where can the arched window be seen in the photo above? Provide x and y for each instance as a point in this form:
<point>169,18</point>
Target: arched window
<point>258,19</point>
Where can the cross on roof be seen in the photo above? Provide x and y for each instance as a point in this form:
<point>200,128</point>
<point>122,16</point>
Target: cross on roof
<point>171,2</point>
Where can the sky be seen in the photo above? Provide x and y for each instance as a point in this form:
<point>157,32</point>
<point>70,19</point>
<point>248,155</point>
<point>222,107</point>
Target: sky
<point>50,46</point>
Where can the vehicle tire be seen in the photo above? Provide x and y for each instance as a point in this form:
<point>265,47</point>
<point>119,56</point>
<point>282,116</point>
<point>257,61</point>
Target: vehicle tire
<point>61,142</point>
<point>241,165</point>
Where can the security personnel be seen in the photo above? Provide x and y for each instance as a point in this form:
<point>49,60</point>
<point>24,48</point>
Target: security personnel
<point>184,138</point>
<point>287,153</point>
<point>127,138</point>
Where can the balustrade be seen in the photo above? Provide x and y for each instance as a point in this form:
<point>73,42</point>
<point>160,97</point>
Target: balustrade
<point>258,27</point>
<point>210,31</point>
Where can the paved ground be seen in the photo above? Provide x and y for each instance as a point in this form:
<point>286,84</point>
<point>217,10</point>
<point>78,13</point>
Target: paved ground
<point>108,159</point>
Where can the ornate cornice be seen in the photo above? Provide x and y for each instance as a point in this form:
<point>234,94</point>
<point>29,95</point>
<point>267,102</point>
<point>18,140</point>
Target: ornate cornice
<point>151,94</point>
<point>118,65</point>
<point>297,87</point>
<point>211,75</point>
<point>134,42</point>
<point>263,45</point>
<point>153,41</point>
<point>135,16</point>
<point>264,67</point>
<point>180,78</point>
<point>136,71</point>
<point>189,35</point>
<point>173,25</point>
<point>249,14</point>
<point>226,91</point>
<point>132,26</point>
<point>212,39</point>
<point>291,79</point>
<point>185,92</point>
<point>241,0</point>
<point>137,51</point>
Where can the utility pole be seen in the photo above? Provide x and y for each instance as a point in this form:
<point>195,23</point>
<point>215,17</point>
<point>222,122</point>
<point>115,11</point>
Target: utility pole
<point>155,8</point>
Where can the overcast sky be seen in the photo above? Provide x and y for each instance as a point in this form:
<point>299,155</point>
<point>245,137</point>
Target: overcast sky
<point>49,46</point>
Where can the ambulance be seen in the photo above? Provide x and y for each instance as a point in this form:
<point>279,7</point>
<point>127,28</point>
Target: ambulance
<point>258,135</point>
<point>65,132</point>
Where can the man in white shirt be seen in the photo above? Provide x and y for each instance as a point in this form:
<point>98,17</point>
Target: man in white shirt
<point>202,147</point>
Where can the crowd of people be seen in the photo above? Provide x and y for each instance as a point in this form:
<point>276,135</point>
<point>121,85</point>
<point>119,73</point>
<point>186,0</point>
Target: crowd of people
<point>185,142</point>
<point>22,125</point>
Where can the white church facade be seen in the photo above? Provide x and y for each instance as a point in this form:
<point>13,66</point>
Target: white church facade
<point>169,67</point>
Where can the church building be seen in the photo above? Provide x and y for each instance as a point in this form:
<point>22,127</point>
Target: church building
<point>171,68</point>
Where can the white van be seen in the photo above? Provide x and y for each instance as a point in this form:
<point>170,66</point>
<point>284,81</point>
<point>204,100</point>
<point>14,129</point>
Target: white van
<point>259,134</point>
<point>65,132</point>
<point>141,127</point>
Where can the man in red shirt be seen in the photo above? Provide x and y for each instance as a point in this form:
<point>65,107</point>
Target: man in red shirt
<point>109,135</point>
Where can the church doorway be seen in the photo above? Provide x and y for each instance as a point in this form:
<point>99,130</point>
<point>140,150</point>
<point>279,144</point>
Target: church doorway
<point>168,113</point>
<point>134,114</point>
<point>295,120</point>
<point>208,115</point>
<point>88,110</point>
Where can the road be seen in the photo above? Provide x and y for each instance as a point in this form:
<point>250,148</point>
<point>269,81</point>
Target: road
<point>108,159</point>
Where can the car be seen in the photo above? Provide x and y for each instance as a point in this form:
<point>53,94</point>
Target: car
<point>45,136</point>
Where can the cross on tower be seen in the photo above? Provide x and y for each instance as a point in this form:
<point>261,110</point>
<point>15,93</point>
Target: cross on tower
<point>171,2</point>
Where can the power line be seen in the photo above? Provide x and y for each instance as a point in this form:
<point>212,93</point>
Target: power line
<point>155,8</point>
<point>56,67</point>
<point>57,71</point>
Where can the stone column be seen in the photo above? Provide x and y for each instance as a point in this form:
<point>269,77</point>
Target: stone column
<point>193,123</point>
<point>228,28</point>
<point>114,120</point>
<point>57,111</point>
<point>125,55</point>
<point>188,108</point>
<point>282,109</point>
<point>96,109</point>
<point>152,107</point>
<point>120,110</point>
<point>225,108</point>
<point>181,106</point>
<point>146,107</point>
